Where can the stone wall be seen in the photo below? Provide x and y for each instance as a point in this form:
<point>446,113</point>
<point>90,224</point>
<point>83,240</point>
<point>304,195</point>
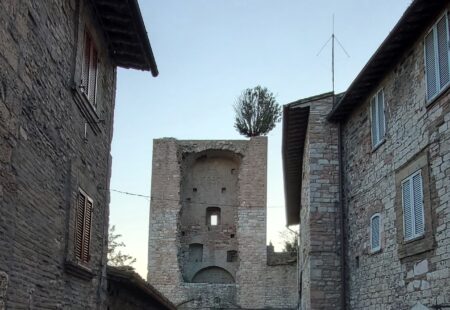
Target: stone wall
<point>320,239</point>
<point>401,275</point>
<point>45,156</point>
<point>169,228</point>
<point>281,279</point>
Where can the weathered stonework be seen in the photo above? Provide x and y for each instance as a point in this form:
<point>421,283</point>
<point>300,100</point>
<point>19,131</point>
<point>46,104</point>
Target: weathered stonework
<point>53,142</point>
<point>45,158</point>
<point>319,262</point>
<point>417,137</point>
<point>402,273</point>
<point>227,178</point>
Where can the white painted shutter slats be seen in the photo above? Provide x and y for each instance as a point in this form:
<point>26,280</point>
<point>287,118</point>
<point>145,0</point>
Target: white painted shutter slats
<point>375,233</point>
<point>407,209</point>
<point>85,68</point>
<point>430,63</point>
<point>419,224</point>
<point>442,49</point>
<point>373,106</point>
<point>92,75</point>
<point>380,99</point>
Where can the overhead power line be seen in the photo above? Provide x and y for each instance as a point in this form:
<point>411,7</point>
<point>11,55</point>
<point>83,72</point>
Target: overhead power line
<point>186,200</point>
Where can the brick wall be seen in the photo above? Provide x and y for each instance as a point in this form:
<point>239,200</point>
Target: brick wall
<point>401,275</point>
<point>250,290</point>
<point>45,158</point>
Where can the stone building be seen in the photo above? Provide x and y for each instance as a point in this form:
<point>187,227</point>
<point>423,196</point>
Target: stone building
<point>367,176</point>
<point>207,239</point>
<point>128,291</point>
<point>58,63</point>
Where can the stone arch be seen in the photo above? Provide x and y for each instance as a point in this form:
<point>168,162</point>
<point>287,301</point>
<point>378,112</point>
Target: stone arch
<point>213,274</point>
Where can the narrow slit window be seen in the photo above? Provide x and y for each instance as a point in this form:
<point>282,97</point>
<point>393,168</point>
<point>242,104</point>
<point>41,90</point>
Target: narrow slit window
<point>377,118</point>
<point>375,233</point>
<point>214,219</point>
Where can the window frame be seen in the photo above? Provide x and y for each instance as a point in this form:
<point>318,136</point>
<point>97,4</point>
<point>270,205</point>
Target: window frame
<point>82,256</point>
<point>433,29</point>
<point>414,234</point>
<point>374,103</point>
<point>213,211</point>
<point>378,248</point>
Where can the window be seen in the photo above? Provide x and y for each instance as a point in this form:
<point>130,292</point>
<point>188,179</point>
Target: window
<point>437,58</point>
<point>375,232</point>
<point>412,202</point>
<point>212,216</point>
<point>196,252</point>
<point>83,227</point>
<point>377,117</point>
<point>232,256</point>
<point>89,69</point>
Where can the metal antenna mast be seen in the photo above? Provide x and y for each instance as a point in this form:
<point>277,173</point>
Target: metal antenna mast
<point>332,39</point>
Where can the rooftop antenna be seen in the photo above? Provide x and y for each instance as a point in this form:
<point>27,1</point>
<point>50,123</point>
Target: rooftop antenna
<point>333,38</point>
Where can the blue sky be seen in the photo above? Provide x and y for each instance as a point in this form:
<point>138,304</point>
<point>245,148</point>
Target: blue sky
<point>207,52</point>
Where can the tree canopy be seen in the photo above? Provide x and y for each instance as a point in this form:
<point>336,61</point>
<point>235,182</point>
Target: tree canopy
<point>115,256</point>
<point>257,112</point>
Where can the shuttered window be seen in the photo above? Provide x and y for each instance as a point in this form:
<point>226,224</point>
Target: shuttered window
<point>375,232</point>
<point>83,227</point>
<point>377,118</point>
<point>413,212</point>
<point>437,62</point>
<point>89,70</point>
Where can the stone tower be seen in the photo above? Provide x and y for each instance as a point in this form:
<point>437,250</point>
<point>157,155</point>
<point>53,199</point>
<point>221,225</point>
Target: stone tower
<point>207,239</point>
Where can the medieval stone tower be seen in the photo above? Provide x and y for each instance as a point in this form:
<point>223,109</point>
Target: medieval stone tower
<point>207,239</point>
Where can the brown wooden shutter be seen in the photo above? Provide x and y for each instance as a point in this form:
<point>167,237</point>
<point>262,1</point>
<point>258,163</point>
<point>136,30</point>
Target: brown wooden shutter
<point>87,231</point>
<point>79,226</point>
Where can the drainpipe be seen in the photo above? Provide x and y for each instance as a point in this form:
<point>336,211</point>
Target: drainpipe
<point>343,217</point>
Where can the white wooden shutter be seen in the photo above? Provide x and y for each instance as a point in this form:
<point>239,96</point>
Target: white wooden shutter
<point>86,61</point>
<point>374,121</point>
<point>442,49</point>
<point>407,209</point>
<point>375,232</point>
<point>430,64</point>
<point>419,225</point>
<point>381,120</point>
<point>92,75</point>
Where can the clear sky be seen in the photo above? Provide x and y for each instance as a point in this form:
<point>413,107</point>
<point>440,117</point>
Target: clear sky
<point>207,52</point>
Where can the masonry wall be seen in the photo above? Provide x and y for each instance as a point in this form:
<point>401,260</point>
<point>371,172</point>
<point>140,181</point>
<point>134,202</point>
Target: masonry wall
<point>45,158</point>
<point>401,275</point>
<point>320,240</point>
<point>171,226</point>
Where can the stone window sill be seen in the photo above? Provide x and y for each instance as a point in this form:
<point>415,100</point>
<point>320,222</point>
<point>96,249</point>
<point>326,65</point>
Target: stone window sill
<point>443,92</point>
<point>87,110</point>
<point>414,239</point>
<point>416,246</point>
<point>378,145</point>
<point>77,270</point>
<point>375,252</point>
